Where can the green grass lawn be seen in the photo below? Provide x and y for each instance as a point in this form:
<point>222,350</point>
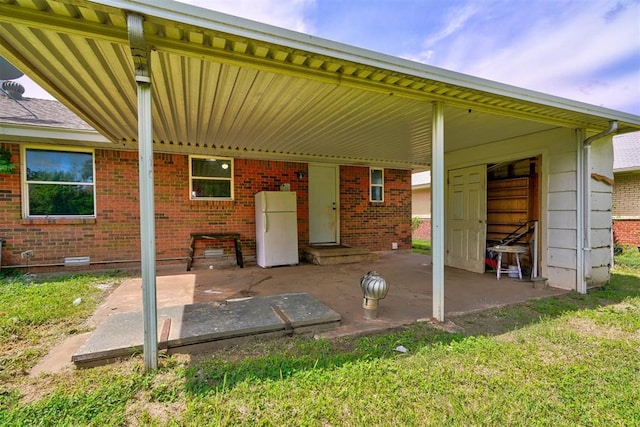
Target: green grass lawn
<point>421,246</point>
<point>568,360</point>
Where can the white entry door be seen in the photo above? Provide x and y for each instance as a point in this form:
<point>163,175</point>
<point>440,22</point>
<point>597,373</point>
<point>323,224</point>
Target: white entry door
<point>467,218</point>
<point>323,204</point>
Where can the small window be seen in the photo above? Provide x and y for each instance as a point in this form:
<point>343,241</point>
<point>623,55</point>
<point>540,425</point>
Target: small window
<point>211,178</point>
<point>376,184</point>
<point>58,183</point>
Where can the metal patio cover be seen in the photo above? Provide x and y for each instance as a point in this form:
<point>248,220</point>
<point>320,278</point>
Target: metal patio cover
<point>228,86</point>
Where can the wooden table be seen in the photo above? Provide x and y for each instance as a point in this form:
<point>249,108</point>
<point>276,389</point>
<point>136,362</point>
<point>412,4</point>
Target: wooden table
<point>215,236</point>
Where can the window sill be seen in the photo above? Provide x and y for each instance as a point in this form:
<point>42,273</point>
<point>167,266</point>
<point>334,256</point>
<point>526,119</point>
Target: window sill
<point>58,221</point>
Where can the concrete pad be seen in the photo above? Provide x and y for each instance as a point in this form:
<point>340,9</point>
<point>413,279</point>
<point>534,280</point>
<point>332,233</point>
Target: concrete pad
<point>58,359</point>
<point>337,286</point>
<point>121,335</point>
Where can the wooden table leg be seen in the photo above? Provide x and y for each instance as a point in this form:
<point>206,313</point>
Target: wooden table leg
<point>191,250</point>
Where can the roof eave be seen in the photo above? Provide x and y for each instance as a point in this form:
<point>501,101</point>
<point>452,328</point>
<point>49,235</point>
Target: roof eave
<point>31,133</point>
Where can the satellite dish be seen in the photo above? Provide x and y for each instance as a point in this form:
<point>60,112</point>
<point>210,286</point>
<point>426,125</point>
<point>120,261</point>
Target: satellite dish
<point>8,71</point>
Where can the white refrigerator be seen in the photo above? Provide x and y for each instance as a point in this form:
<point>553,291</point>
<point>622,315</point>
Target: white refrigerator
<point>276,228</point>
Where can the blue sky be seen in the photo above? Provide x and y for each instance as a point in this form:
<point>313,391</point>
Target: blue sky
<point>585,50</point>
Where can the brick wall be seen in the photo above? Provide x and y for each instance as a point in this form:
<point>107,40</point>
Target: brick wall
<point>626,208</point>
<point>626,194</point>
<point>627,232</point>
<point>423,231</point>
<point>375,225</point>
<point>113,236</point>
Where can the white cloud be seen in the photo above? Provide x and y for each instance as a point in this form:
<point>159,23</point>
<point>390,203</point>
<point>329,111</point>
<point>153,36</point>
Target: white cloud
<point>586,52</point>
<point>456,20</point>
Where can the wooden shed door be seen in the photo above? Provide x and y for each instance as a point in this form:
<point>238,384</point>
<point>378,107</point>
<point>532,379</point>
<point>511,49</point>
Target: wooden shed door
<point>467,218</point>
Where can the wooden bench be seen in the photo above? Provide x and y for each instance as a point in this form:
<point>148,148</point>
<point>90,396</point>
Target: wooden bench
<point>215,236</point>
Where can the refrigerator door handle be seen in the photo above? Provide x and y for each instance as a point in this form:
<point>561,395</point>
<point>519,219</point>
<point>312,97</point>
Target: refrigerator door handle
<point>266,225</point>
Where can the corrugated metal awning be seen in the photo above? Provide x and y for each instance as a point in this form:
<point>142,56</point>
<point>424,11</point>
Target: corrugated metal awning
<point>228,86</point>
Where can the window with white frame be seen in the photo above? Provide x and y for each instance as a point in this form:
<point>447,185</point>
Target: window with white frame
<point>58,183</point>
<point>211,178</point>
<point>376,184</point>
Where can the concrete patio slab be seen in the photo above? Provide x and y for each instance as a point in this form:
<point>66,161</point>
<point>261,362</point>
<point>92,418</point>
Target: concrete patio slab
<point>122,335</point>
<point>336,286</point>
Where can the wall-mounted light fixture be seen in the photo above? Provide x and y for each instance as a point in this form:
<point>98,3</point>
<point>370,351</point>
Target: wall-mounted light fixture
<point>300,174</point>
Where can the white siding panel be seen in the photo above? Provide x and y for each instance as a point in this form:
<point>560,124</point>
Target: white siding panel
<point>599,276</point>
<point>562,201</point>
<point>564,181</point>
<point>602,156</point>
<point>565,258</point>
<point>562,219</point>
<point>601,257</point>
<point>601,219</point>
<point>601,238</point>
<point>565,239</point>
<point>600,187</point>
<point>563,162</point>
<point>562,278</point>
<point>601,201</point>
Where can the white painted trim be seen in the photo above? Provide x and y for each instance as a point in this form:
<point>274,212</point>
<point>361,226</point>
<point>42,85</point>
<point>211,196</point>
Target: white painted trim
<point>437,209</point>
<point>232,179</point>
<point>24,132</point>
<point>581,284</point>
<point>372,185</point>
<point>25,187</point>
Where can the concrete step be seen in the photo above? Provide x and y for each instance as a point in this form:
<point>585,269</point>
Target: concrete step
<point>339,254</point>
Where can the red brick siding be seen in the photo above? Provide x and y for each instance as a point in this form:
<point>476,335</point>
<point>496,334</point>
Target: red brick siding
<point>627,232</point>
<point>626,208</point>
<point>113,236</point>
<point>375,225</point>
<point>423,231</point>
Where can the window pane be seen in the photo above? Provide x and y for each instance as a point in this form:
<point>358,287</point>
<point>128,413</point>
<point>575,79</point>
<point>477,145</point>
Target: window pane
<point>52,199</point>
<point>211,188</point>
<point>376,176</point>
<point>376,193</point>
<point>214,168</point>
<point>59,166</point>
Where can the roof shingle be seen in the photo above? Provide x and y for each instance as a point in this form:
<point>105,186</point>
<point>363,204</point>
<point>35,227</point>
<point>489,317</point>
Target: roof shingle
<point>626,152</point>
<point>47,113</point>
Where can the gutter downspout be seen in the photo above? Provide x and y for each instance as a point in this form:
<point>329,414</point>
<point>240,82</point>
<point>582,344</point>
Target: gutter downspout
<point>584,232</point>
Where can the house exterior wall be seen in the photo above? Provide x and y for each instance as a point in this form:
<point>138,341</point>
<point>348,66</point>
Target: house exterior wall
<point>558,225</point>
<point>626,208</point>
<point>421,208</point>
<point>375,225</point>
<point>112,238</point>
<point>421,202</point>
<point>601,206</point>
